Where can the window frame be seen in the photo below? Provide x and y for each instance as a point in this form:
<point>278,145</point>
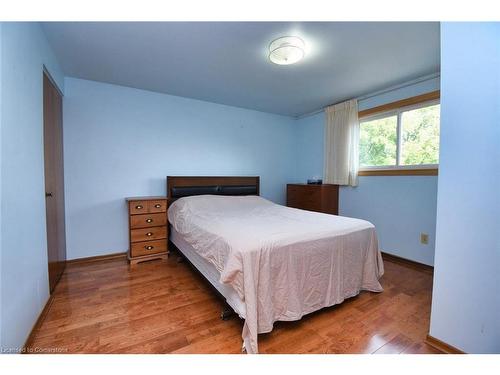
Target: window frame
<point>398,169</point>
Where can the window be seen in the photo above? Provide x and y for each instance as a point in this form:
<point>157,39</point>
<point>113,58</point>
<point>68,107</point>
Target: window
<point>403,138</point>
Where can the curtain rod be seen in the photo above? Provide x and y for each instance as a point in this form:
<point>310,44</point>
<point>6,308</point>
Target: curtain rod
<point>380,92</point>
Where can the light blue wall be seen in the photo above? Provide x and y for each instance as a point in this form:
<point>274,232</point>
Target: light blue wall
<point>24,51</point>
<point>466,295</point>
<point>401,207</point>
<point>1,303</point>
<point>123,142</point>
<point>310,147</point>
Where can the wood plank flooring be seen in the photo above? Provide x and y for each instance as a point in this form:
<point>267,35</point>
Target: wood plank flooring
<point>166,307</point>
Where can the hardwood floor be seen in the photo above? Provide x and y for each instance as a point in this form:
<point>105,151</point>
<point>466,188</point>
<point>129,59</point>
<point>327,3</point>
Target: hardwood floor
<point>165,307</point>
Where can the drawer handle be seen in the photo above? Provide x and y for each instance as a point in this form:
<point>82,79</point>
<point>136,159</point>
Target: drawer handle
<point>149,220</point>
<point>157,205</point>
<point>149,234</point>
<point>149,247</point>
<point>139,207</point>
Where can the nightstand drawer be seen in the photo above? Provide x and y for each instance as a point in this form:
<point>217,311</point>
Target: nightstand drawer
<point>148,220</point>
<point>149,247</point>
<point>157,206</point>
<point>138,207</point>
<point>148,234</point>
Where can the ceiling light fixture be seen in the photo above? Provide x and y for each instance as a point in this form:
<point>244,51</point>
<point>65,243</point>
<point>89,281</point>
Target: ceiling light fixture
<point>286,50</point>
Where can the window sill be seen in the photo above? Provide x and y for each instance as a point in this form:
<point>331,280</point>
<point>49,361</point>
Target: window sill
<point>400,172</point>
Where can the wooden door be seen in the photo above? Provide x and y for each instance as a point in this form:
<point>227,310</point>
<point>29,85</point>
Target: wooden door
<point>54,180</point>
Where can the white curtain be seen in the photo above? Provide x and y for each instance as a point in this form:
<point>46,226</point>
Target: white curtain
<point>342,144</point>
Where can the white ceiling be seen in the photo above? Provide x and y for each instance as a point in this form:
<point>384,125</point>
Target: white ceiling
<point>227,62</point>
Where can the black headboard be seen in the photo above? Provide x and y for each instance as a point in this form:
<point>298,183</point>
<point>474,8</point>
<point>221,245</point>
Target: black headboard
<point>183,186</point>
<point>186,191</point>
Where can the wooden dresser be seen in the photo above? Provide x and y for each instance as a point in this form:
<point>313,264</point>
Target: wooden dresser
<point>148,229</point>
<point>321,198</point>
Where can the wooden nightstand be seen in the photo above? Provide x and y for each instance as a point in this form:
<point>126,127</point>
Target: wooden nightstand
<point>148,229</point>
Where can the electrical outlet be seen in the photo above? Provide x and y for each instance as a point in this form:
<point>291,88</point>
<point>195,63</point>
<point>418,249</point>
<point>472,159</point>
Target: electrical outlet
<point>424,238</point>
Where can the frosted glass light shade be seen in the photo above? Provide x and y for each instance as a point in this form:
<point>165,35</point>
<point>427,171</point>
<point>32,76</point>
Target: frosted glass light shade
<point>286,50</point>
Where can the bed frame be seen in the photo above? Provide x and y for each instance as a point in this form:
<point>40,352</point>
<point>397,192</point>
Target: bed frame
<point>183,186</point>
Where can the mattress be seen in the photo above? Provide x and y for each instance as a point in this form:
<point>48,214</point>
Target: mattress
<point>282,262</point>
<point>210,272</point>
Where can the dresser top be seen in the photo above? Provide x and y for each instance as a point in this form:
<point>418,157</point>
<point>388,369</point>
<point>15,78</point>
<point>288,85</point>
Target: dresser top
<point>129,199</point>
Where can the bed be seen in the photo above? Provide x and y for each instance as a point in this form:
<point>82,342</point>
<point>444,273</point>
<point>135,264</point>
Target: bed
<point>270,262</point>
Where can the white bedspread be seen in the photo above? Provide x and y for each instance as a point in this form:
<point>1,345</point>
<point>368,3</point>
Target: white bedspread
<point>283,262</point>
